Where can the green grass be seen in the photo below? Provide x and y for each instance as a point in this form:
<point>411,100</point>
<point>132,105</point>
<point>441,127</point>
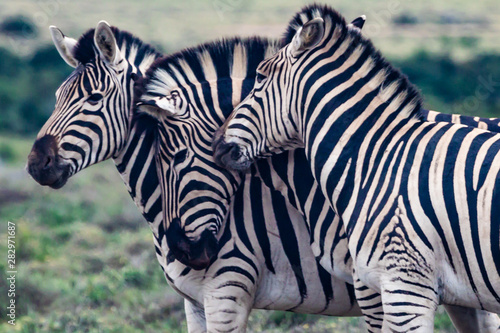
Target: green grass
<point>85,257</point>
<point>86,262</point>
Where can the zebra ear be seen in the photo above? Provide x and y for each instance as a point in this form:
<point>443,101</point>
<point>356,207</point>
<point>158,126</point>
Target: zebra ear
<point>105,42</point>
<point>160,106</point>
<point>64,46</point>
<point>308,36</point>
<point>357,23</point>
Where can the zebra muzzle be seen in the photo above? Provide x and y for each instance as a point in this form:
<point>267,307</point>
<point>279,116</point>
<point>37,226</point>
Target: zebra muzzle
<point>44,165</point>
<point>198,254</point>
<point>229,154</point>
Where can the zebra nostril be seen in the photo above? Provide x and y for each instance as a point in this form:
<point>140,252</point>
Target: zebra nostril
<point>48,162</point>
<point>235,151</point>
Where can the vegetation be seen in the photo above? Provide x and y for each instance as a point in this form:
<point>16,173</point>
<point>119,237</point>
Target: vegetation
<point>19,26</point>
<point>27,87</point>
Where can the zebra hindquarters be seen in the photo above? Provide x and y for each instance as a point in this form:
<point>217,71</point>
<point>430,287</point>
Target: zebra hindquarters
<point>397,264</point>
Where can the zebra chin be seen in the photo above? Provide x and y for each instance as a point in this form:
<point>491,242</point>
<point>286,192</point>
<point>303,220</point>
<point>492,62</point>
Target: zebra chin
<point>44,164</point>
<point>229,154</point>
<point>198,254</point>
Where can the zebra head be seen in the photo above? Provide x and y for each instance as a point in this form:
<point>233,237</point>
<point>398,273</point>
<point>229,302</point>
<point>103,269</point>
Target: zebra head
<point>268,122</point>
<point>92,114</point>
<point>196,192</point>
<point>191,93</point>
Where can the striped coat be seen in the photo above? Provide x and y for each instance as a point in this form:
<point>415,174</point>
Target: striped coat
<point>185,92</point>
<point>415,198</point>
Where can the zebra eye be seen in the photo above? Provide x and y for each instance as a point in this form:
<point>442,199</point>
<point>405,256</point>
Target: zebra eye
<point>260,77</point>
<point>180,157</point>
<point>94,98</point>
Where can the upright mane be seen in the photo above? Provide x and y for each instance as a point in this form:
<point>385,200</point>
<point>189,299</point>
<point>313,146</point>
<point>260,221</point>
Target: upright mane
<point>85,50</point>
<point>394,78</point>
<point>308,13</point>
<point>225,58</point>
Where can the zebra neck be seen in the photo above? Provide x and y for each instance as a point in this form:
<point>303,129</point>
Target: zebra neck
<point>135,160</point>
<point>343,118</point>
<point>351,84</point>
<point>137,167</point>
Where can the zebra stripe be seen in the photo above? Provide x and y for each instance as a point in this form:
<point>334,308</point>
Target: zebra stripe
<point>413,196</point>
<point>134,162</point>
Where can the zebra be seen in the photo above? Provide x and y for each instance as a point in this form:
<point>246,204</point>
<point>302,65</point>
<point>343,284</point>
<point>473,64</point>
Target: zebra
<point>415,197</point>
<point>94,120</point>
<point>135,164</point>
<point>490,124</point>
<point>191,93</point>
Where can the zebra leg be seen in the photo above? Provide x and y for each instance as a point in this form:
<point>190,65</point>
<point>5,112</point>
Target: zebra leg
<point>195,318</point>
<point>370,304</point>
<point>408,310</point>
<point>473,320</point>
<point>228,311</point>
<point>407,280</point>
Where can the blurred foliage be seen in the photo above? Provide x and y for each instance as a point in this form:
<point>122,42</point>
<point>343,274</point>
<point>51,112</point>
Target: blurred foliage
<point>27,88</point>
<point>405,19</point>
<point>471,87</point>
<point>28,84</point>
<point>7,153</point>
<point>19,26</point>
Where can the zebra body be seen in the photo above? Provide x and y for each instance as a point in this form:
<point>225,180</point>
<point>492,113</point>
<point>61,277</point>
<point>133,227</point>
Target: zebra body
<point>185,92</point>
<point>71,141</point>
<point>415,198</point>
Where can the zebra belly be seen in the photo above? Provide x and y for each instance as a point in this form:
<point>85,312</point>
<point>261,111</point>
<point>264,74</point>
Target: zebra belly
<point>298,285</point>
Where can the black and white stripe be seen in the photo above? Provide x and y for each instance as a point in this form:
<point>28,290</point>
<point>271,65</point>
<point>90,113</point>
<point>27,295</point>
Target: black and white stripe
<point>263,251</point>
<point>416,198</point>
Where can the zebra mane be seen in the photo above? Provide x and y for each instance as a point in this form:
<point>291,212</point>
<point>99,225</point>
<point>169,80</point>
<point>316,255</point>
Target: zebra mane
<point>394,80</point>
<point>206,62</point>
<point>85,51</point>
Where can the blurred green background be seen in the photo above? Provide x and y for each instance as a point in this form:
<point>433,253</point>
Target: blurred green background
<point>85,256</point>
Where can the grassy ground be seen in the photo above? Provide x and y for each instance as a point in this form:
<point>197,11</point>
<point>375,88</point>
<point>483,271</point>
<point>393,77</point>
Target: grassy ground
<point>85,260</point>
